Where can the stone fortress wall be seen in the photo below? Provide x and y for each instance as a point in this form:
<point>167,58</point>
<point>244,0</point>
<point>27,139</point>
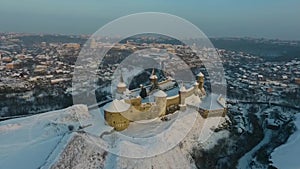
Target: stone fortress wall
<point>162,105</point>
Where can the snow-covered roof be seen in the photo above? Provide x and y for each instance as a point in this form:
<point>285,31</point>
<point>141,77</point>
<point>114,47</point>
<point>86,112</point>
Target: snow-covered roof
<point>167,85</point>
<point>122,84</point>
<point>153,77</point>
<point>116,106</point>
<point>160,93</point>
<point>182,88</point>
<point>272,122</point>
<point>200,74</point>
<point>127,92</point>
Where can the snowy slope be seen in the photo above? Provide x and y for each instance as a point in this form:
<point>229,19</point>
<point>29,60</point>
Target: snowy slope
<point>287,155</point>
<point>44,141</point>
<point>142,146</point>
<point>34,141</point>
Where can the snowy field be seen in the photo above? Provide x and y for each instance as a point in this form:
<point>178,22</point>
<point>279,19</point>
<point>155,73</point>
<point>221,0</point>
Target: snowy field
<point>287,155</point>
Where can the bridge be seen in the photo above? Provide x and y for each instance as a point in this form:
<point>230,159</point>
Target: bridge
<point>99,104</point>
<point>264,102</point>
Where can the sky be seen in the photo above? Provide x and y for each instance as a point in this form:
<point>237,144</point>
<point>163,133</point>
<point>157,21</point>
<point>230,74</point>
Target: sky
<point>275,19</point>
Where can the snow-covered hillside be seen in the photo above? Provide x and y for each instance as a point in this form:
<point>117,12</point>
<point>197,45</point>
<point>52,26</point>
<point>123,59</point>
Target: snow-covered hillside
<point>87,150</point>
<point>287,155</point>
<point>36,141</point>
<point>77,138</point>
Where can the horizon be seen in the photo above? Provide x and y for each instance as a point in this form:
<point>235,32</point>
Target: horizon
<point>256,19</point>
<point>210,37</point>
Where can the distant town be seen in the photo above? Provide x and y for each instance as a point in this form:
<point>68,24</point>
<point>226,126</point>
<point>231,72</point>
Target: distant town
<point>35,69</point>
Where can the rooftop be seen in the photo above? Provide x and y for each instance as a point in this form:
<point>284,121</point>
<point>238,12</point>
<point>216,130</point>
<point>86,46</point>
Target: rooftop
<point>116,106</point>
<point>160,93</point>
<point>200,74</point>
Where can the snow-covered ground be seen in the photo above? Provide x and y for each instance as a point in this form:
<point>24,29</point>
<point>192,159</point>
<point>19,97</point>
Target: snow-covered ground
<point>32,142</point>
<point>248,157</point>
<point>45,141</point>
<point>152,137</point>
<point>287,155</point>
<point>145,144</point>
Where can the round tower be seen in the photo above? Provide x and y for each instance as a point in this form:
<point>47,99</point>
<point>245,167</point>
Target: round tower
<point>182,96</point>
<point>113,114</point>
<point>161,102</point>
<point>200,80</point>
<point>153,78</point>
<point>196,88</point>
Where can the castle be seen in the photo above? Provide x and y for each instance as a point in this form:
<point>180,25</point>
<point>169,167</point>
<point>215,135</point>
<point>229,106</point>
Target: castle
<point>128,107</point>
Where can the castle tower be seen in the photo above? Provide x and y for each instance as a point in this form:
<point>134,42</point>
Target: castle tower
<point>200,80</point>
<point>182,96</point>
<point>161,102</point>
<point>153,78</point>
<point>121,88</point>
<point>196,88</point>
<point>114,114</point>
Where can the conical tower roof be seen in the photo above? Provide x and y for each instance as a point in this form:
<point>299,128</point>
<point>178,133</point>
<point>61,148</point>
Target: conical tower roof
<point>153,75</point>
<point>200,74</point>
<point>182,87</point>
<point>122,83</point>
